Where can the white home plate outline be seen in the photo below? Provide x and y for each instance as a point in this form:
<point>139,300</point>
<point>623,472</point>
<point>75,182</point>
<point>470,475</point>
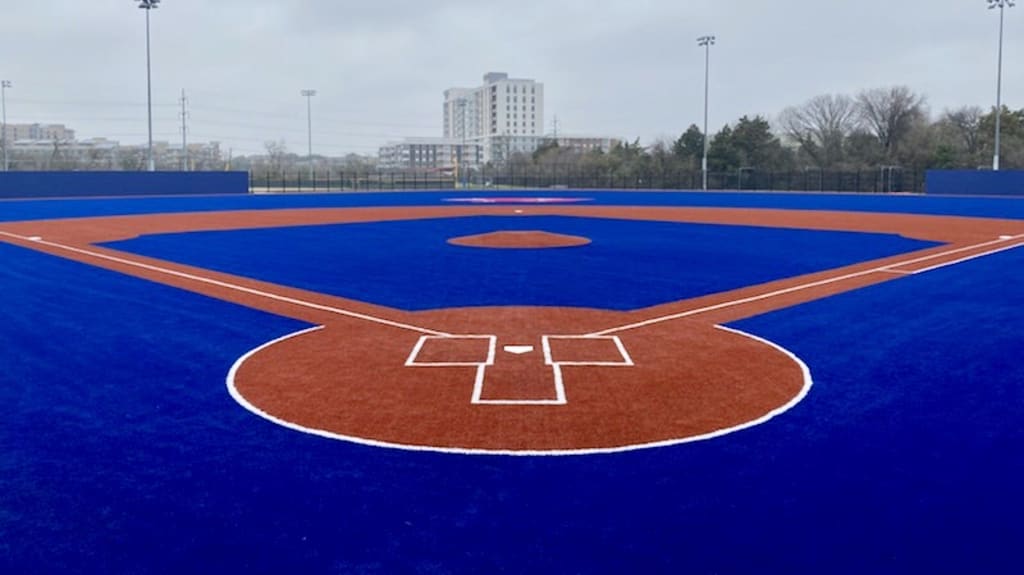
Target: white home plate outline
<point>480,379</point>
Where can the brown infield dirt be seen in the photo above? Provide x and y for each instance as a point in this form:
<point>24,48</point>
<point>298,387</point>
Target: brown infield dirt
<point>365,374</point>
<point>533,239</point>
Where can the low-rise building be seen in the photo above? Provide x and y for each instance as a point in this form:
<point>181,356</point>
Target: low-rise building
<point>48,132</point>
<point>585,143</point>
<point>430,153</point>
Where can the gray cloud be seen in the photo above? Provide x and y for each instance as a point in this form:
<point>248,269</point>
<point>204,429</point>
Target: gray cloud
<point>622,68</point>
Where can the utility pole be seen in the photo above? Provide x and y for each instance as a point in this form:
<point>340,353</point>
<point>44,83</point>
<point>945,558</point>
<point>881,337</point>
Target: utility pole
<point>1002,5</point>
<point>707,42</point>
<point>308,94</point>
<point>556,129</point>
<point>184,131</point>
<point>4,84</point>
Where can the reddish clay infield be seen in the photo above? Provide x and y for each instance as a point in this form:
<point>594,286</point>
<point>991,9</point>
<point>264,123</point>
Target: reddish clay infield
<point>488,379</point>
<point>536,239</point>
<point>361,380</point>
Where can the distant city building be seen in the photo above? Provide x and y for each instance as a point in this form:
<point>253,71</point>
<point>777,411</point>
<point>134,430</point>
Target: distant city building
<point>54,146</point>
<point>96,153</point>
<point>585,143</point>
<point>429,153</point>
<point>504,115</point>
<point>36,132</point>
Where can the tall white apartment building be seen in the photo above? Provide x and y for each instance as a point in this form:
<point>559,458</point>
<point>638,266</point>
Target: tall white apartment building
<point>504,116</point>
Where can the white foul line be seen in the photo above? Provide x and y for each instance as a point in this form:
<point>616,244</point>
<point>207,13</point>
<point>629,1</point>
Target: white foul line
<point>238,288</point>
<point>964,259</point>
<point>886,268</point>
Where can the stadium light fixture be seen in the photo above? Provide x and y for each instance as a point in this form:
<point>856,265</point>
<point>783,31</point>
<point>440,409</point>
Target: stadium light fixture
<point>309,128</point>
<point>4,84</point>
<point>706,42</point>
<point>1002,5</point>
<point>149,5</point>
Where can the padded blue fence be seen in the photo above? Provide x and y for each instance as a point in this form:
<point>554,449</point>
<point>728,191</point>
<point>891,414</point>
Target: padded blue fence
<point>975,182</point>
<point>103,184</point>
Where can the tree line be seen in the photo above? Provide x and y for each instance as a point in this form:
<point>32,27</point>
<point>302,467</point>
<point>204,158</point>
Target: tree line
<point>877,128</point>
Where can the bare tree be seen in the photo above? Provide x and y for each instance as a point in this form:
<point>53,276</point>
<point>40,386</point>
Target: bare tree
<point>276,153</point>
<point>890,114</point>
<point>132,159</point>
<point>821,127</point>
<point>965,125</point>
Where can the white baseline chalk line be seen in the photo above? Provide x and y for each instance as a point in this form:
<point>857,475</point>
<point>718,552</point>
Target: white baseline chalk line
<point>886,268</point>
<point>238,288</point>
<point>965,259</point>
<point>652,321</point>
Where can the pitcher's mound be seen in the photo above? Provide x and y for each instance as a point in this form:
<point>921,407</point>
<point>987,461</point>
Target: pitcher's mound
<point>520,240</point>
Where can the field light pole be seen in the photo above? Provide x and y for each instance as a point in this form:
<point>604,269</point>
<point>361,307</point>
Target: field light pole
<point>707,42</point>
<point>462,148</point>
<point>1002,5</point>
<point>149,5</point>
<point>309,128</point>
<point>4,84</point>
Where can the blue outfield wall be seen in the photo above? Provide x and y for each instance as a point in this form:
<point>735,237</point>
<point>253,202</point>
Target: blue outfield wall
<point>107,184</point>
<point>975,182</point>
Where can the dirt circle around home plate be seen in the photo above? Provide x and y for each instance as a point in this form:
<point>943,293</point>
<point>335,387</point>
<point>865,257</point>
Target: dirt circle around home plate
<point>513,391</point>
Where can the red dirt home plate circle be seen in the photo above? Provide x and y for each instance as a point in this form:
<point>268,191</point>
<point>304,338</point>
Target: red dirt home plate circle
<point>517,392</point>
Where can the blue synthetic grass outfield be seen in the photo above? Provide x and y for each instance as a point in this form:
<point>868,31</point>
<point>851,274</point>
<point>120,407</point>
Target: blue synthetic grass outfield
<point>121,452</point>
<point>991,207</point>
<point>628,265</point>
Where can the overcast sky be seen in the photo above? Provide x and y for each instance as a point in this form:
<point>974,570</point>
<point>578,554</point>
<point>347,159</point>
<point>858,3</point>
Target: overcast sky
<point>623,68</point>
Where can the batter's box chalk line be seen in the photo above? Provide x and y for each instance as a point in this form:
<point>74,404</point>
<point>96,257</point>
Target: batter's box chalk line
<point>480,351</point>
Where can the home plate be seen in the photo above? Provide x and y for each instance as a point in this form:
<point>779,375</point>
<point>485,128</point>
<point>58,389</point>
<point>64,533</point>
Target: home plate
<point>518,349</point>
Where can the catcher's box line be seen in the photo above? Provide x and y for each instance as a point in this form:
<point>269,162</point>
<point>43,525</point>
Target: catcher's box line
<point>558,383</point>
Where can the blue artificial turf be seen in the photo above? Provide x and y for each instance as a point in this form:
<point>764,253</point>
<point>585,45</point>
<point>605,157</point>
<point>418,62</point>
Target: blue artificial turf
<point>629,265</point>
<point>121,451</point>
<point>988,207</point>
